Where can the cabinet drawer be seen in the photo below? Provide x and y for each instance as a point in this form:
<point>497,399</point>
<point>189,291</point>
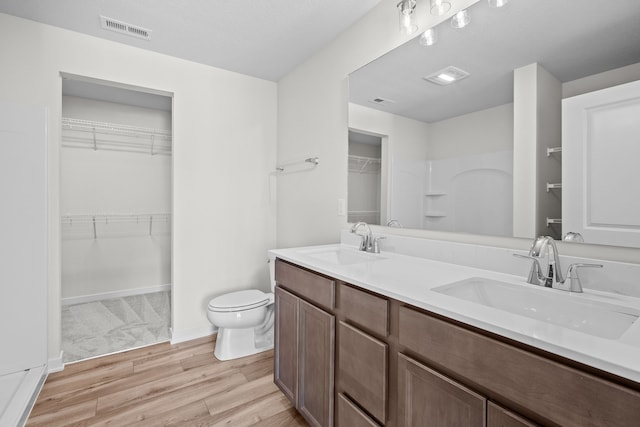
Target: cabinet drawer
<point>349,415</point>
<point>313,287</point>
<point>364,309</point>
<point>524,379</point>
<point>363,365</point>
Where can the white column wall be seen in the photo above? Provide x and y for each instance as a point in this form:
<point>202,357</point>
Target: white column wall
<point>224,128</point>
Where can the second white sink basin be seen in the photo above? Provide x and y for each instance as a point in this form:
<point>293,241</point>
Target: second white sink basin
<point>341,256</point>
<point>572,311</point>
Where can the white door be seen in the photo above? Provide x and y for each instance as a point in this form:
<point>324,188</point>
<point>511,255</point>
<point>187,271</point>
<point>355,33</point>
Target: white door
<point>600,172</point>
<point>23,237</point>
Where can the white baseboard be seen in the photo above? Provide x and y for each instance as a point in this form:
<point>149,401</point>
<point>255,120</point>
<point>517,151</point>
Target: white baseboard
<point>55,364</point>
<point>192,334</point>
<point>115,294</point>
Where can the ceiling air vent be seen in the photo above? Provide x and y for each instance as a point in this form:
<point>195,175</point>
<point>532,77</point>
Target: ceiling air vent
<point>381,101</point>
<point>446,76</point>
<point>124,28</point>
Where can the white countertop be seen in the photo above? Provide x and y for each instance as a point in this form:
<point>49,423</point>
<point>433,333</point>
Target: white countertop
<point>412,280</point>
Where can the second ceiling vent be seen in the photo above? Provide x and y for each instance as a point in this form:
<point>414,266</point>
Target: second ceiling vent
<point>124,28</point>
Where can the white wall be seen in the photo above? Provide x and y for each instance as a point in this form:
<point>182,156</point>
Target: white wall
<point>312,116</point>
<point>474,133</point>
<point>599,81</point>
<point>224,129</point>
<point>123,256</point>
<point>404,154</point>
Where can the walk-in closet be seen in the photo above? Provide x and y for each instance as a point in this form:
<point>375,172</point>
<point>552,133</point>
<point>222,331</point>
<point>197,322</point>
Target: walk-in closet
<point>115,205</point>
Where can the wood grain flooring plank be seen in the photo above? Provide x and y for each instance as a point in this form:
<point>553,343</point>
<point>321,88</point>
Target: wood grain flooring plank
<point>286,418</point>
<point>89,378</point>
<point>186,415</point>
<point>164,403</point>
<point>165,385</point>
<point>64,415</point>
<point>241,395</point>
<point>94,391</point>
<point>258,411</point>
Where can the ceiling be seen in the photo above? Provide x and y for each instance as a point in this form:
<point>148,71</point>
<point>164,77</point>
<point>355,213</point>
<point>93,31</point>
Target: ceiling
<point>260,38</point>
<point>569,38</point>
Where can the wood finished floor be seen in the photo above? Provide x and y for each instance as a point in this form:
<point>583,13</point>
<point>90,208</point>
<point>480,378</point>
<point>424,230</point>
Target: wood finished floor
<point>165,385</point>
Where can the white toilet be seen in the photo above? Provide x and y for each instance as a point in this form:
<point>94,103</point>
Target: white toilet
<point>244,320</point>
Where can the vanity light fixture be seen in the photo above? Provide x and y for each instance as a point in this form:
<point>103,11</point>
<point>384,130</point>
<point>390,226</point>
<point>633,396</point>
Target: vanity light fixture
<point>405,11</point>
<point>447,76</point>
<point>460,19</point>
<point>440,7</point>
<point>497,3</point>
<point>429,37</point>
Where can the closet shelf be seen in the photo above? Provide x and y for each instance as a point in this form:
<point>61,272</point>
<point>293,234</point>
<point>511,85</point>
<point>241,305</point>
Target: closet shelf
<point>551,150</point>
<point>553,221</point>
<point>362,164</point>
<point>147,219</point>
<point>553,186</point>
<point>96,135</point>
<point>435,193</point>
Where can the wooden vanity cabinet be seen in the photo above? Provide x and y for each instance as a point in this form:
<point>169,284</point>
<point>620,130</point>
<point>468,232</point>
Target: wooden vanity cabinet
<point>398,365</point>
<point>305,343</point>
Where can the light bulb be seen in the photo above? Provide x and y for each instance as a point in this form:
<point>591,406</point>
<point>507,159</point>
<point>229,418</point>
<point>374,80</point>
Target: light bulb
<point>497,3</point>
<point>405,10</point>
<point>460,19</point>
<point>429,37</point>
<point>440,7</point>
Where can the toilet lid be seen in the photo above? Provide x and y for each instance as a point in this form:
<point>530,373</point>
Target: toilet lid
<point>241,300</point>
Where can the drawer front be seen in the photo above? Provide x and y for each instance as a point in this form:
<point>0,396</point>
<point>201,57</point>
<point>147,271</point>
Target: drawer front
<point>349,415</point>
<point>522,378</point>
<point>364,309</point>
<point>363,370</point>
<point>313,287</point>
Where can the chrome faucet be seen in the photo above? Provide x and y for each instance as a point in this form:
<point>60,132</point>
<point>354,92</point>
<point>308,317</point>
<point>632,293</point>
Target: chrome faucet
<point>365,239</point>
<point>367,242</point>
<point>553,277</point>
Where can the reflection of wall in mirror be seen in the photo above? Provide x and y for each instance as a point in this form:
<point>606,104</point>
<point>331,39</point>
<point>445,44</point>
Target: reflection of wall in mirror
<point>471,141</point>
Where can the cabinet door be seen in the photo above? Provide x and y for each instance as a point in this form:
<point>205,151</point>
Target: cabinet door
<point>427,398</point>
<point>498,416</point>
<point>286,343</point>
<point>316,364</point>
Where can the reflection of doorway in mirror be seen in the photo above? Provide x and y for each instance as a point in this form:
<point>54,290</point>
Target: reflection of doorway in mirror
<point>364,186</point>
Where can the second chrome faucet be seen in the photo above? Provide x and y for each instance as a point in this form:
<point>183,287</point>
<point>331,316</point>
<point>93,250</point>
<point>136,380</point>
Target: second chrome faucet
<point>553,277</point>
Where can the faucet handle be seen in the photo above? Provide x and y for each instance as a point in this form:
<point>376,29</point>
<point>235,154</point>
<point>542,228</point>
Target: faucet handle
<point>535,275</point>
<point>574,284</point>
<point>376,244</point>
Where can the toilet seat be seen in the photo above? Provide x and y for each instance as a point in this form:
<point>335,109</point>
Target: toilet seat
<point>239,301</point>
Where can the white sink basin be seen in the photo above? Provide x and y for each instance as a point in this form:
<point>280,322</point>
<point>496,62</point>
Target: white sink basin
<point>572,311</point>
<point>341,256</point>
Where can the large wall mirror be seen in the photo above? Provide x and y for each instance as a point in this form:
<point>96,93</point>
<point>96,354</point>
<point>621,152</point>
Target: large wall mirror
<point>427,153</point>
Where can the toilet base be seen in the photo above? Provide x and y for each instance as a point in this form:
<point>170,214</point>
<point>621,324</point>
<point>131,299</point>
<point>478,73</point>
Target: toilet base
<point>235,343</point>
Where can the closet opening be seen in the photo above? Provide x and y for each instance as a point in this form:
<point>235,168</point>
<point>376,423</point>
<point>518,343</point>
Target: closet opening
<point>116,217</point>
<point>364,179</point>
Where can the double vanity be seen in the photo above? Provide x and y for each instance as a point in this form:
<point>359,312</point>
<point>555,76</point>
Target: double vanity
<point>405,338</point>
